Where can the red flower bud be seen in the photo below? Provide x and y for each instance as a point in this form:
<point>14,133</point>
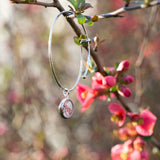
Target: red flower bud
<point>127,79</point>
<point>109,81</point>
<point>124,91</point>
<point>123,66</point>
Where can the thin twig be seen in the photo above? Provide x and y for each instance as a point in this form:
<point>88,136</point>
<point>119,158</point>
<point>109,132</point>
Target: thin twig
<point>78,33</point>
<point>34,3</point>
<point>126,107</point>
<point>140,59</point>
<point>117,12</point>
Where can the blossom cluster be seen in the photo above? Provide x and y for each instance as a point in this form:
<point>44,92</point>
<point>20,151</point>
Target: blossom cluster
<point>140,126</point>
<point>105,87</point>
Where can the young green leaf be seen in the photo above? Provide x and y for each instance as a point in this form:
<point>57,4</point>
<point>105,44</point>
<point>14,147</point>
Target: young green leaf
<point>80,3</point>
<point>89,22</point>
<point>86,6</point>
<point>81,18</point>
<point>76,40</point>
<point>73,3</point>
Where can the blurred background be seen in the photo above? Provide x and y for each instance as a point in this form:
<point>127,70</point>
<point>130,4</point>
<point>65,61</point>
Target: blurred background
<point>30,125</point>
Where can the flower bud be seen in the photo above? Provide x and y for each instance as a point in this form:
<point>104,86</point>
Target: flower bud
<point>127,79</point>
<point>124,91</point>
<point>110,71</point>
<point>123,66</point>
<point>109,81</point>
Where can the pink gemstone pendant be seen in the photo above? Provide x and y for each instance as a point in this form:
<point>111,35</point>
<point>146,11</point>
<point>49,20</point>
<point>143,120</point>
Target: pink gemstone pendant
<point>66,108</point>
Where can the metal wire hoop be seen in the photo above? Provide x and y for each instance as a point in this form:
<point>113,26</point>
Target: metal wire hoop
<point>66,90</point>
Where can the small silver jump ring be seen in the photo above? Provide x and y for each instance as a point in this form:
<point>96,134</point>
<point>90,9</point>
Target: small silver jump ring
<point>66,92</point>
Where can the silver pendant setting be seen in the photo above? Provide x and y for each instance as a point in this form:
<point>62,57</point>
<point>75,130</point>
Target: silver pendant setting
<point>66,108</point>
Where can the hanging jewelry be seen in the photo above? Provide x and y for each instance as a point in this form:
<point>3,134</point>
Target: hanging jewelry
<point>66,106</point>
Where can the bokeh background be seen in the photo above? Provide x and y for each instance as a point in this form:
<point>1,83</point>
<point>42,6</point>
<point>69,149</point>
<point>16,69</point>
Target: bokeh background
<point>30,125</point>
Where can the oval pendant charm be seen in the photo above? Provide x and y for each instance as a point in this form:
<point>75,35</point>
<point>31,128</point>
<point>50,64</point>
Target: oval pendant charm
<point>66,108</point>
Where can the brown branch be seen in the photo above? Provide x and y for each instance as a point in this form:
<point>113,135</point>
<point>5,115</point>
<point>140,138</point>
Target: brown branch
<point>117,12</point>
<point>78,33</point>
<point>34,3</point>
<point>140,59</point>
<point>126,107</point>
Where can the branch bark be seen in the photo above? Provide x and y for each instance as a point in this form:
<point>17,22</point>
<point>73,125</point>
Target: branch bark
<point>117,12</point>
<point>78,33</point>
<point>140,59</point>
<point>34,3</point>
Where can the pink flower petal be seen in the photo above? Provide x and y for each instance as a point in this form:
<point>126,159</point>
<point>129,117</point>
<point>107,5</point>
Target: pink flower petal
<point>97,82</point>
<point>116,152</point>
<point>149,120</point>
<point>124,91</point>
<point>86,95</point>
<point>109,81</point>
<point>89,99</point>
<point>135,155</point>
<point>81,89</point>
<point>119,111</point>
<point>127,79</point>
<point>123,66</point>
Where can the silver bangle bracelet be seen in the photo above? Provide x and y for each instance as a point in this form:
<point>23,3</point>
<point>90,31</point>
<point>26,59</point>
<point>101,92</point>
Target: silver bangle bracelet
<point>66,105</point>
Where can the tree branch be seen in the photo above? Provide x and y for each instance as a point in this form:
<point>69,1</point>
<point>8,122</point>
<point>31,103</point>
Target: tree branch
<point>140,59</point>
<point>117,12</point>
<point>35,2</point>
<point>78,33</point>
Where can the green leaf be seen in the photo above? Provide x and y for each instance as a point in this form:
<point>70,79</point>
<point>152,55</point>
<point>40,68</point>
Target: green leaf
<point>107,71</point>
<point>86,6</point>
<point>92,64</point>
<point>76,40</point>
<point>116,66</point>
<point>81,18</point>
<point>80,3</point>
<point>113,89</point>
<point>147,138</point>
<point>89,22</point>
<point>73,3</point>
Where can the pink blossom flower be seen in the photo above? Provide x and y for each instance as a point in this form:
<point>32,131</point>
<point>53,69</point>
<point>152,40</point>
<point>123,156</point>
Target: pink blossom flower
<point>124,91</point>
<point>129,131</point>
<point>127,151</point>
<point>109,81</point>
<point>149,120</point>
<point>126,79</point>
<point>116,152</point>
<point>134,117</point>
<point>86,96</point>
<point>98,82</point>
<point>144,155</point>
<point>123,66</point>
<point>98,85</point>
<point>119,113</point>
<point>139,144</point>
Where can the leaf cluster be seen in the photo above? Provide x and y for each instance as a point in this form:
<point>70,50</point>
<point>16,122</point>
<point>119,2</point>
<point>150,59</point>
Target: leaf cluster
<point>78,7</point>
